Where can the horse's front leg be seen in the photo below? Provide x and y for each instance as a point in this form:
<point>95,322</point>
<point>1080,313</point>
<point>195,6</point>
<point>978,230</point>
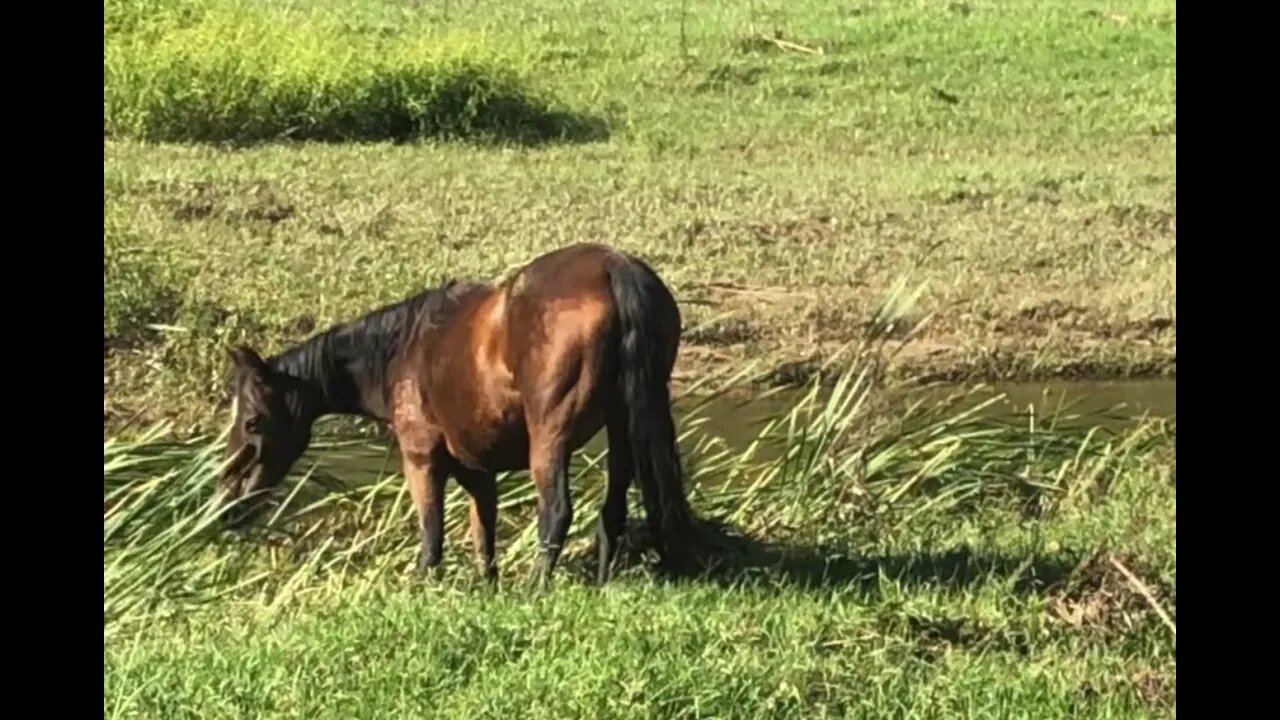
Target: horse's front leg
<point>426,477</point>
<point>483,489</point>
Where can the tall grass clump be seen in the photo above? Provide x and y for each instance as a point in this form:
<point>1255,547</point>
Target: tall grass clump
<point>148,16</point>
<point>836,467</point>
<point>218,72</point>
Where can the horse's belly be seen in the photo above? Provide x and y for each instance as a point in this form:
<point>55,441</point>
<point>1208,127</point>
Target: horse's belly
<point>506,446</point>
<point>585,429</point>
<point>497,447</point>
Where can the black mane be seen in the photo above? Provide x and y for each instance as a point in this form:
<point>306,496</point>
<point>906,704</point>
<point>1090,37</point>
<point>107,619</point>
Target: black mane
<point>346,366</point>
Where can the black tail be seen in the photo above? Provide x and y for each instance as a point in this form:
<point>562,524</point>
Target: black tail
<point>650,329</point>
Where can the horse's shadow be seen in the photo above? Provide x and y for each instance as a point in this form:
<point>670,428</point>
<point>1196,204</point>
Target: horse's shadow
<point>722,555</point>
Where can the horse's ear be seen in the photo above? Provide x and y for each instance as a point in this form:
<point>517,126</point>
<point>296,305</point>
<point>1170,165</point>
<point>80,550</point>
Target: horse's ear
<point>246,360</point>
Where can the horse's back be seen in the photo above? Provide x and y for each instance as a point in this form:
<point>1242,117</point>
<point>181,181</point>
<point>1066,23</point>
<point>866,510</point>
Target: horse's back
<point>574,272</point>
<point>563,308</point>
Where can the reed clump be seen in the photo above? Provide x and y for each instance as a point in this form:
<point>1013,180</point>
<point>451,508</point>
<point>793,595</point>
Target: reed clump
<point>829,470</point>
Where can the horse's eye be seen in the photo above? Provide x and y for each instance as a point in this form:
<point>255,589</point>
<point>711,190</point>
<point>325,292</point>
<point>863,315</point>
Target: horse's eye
<point>252,425</point>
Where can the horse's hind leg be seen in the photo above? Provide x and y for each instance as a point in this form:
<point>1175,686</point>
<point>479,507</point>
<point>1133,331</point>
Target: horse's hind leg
<point>550,419</point>
<point>483,489</point>
<point>613,513</point>
<point>549,465</point>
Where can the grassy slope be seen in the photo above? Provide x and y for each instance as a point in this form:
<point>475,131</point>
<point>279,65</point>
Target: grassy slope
<point>782,189</point>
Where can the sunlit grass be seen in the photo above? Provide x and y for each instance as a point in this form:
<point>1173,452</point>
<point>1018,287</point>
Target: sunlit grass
<point>776,190</point>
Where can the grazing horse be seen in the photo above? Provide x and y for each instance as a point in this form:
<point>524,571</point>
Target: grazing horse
<point>475,379</point>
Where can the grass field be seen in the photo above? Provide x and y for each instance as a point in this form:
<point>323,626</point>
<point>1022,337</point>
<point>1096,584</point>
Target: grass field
<point>942,565</point>
<point>271,168</point>
<point>1018,157</point>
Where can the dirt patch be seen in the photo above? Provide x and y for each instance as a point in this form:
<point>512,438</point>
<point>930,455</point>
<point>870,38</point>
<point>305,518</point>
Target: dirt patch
<point>268,204</point>
<point>726,76</point>
<point>1052,311</point>
<point>201,202</point>
<point>793,329</point>
<point>970,196</point>
<point>926,350</point>
<point>793,373</point>
<point>301,325</point>
<point>932,638</point>
<point>820,228</point>
<point>804,231</point>
<point>724,332</point>
<point>1156,688</point>
<point>1159,219</point>
<point>1098,598</point>
<point>838,320</point>
<point>1057,316</point>
<point>260,202</point>
<point>1149,228</point>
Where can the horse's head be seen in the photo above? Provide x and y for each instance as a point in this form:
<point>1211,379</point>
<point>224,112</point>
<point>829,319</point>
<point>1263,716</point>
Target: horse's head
<point>268,433</point>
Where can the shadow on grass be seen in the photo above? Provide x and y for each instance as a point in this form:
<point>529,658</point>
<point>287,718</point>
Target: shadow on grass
<point>726,557</point>
<point>530,124</point>
<point>455,113</point>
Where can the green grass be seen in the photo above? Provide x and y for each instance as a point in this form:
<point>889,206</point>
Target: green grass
<point>229,73</point>
<point>937,562</point>
<point>642,650</point>
<point>780,192</point>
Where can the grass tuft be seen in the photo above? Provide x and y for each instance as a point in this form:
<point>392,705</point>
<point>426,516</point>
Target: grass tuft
<point>245,74</point>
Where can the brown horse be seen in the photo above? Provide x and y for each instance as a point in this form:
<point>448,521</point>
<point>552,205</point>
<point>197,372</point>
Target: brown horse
<point>475,379</point>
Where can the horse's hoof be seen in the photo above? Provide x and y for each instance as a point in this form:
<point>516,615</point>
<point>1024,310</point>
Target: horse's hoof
<point>433,571</point>
<point>540,581</point>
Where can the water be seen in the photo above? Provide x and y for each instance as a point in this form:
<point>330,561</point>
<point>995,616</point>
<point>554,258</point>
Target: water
<point>737,420</point>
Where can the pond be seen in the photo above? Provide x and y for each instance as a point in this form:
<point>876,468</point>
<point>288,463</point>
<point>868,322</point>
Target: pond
<point>737,421</point>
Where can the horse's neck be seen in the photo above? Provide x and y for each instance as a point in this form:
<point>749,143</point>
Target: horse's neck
<point>347,368</point>
<point>339,378</point>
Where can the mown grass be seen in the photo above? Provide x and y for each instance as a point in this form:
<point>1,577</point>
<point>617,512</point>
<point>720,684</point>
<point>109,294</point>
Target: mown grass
<point>1020,153</point>
<point>937,561</point>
